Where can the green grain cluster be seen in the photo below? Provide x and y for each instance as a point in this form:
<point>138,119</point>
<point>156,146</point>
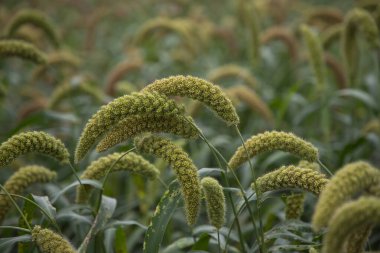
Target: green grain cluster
<point>143,104</point>
<point>50,242</point>
<point>134,125</point>
<point>350,180</point>
<point>185,170</point>
<point>271,141</point>
<point>32,142</point>
<point>20,180</point>
<point>215,201</point>
<point>22,50</point>
<point>198,89</point>
<point>98,169</point>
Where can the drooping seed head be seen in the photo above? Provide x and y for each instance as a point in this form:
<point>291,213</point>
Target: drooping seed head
<point>50,242</point>
<point>271,141</point>
<point>184,168</point>
<point>32,142</point>
<point>22,50</point>
<point>143,103</point>
<point>198,89</point>
<point>134,125</point>
<point>21,180</point>
<point>215,201</point>
<point>98,169</point>
<point>292,177</point>
<point>347,219</point>
<point>232,70</point>
<point>35,18</point>
<point>346,183</point>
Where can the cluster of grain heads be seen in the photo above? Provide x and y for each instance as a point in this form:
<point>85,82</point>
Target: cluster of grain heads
<point>144,104</point>
<point>251,99</point>
<point>315,53</point>
<point>20,180</point>
<point>232,70</point>
<point>198,89</point>
<point>271,141</point>
<point>185,170</point>
<point>35,18</point>
<point>98,169</point>
<point>285,36</point>
<point>117,73</point>
<point>292,177</point>
<point>349,181</point>
<point>50,242</point>
<point>32,142</point>
<point>215,201</point>
<point>132,126</point>
<point>22,50</point>
<point>348,219</point>
<point>357,20</point>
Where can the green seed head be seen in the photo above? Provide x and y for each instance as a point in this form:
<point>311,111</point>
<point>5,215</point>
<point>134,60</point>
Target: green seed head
<point>143,104</point>
<point>51,242</point>
<point>20,180</point>
<point>22,50</point>
<point>198,89</point>
<point>271,141</point>
<point>36,142</point>
<point>349,218</point>
<point>294,206</point>
<point>135,125</point>
<point>292,177</point>
<point>184,169</point>
<point>130,162</point>
<point>346,183</point>
<point>215,200</point>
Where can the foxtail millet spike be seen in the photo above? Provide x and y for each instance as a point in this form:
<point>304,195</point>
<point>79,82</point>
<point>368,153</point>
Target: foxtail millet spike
<point>50,242</point>
<point>215,201</point>
<point>22,50</point>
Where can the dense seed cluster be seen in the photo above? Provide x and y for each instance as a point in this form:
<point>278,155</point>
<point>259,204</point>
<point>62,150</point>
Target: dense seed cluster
<point>183,166</point>
<point>144,103</point>
<point>35,18</point>
<point>134,125</point>
<point>349,218</point>
<point>292,177</point>
<point>20,180</point>
<point>215,201</point>
<point>271,141</point>
<point>22,50</point>
<point>32,142</point>
<point>50,242</point>
<point>198,89</point>
<point>346,183</point>
<point>130,162</point>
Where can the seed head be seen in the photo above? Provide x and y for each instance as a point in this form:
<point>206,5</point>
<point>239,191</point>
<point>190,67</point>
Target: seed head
<point>215,200</point>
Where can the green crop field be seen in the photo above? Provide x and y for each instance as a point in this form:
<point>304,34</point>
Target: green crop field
<point>189,126</point>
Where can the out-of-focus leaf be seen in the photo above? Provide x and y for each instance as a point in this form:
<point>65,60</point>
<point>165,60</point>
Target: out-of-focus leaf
<point>362,96</point>
<point>125,223</point>
<point>179,245</point>
<point>202,243</point>
<point>93,183</point>
<point>120,241</point>
<point>7,243</point>
<point>44,203</point>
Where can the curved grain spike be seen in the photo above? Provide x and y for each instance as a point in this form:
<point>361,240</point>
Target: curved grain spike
<point>35,18</point>
<point>68,90</point>
<point>337,69</point>
<point>215,201</point>
<point>232,70</point>
<point>109,115</point>
<point>346,183</point>
<point>271,141</point>
<point>330,35</point>
<point>51,242</point>
<point>357,241</point>
<point>184,168</point>
<point>135,125</point>
<point>329,16</point>
<point>285,36</point>
<point>250,98</point>
<point>315,53</point>
<point>21,180</point>
<point>347,219</point>
<point>32,142</point>
<point>198,89</point>
<point>372,126</point>
<point>22,50</point>
<point>292,177</point>
<point>130,162</point>
<point>357,20</point>
<point>118,72</point>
